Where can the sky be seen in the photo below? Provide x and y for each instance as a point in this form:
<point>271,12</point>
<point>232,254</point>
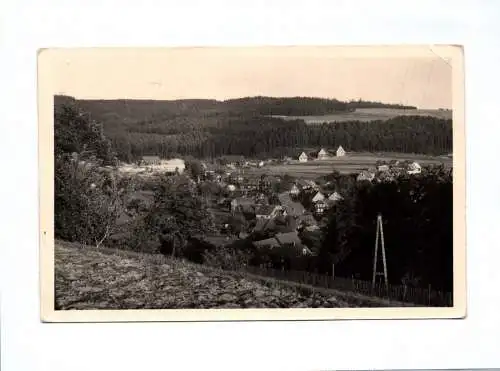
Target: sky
<point>420,77</point>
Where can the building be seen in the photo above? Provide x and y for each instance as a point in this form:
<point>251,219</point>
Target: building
<point>383,168</point>
<point>303,157</point>
<point>318,197</point>
<point>231,187</point>
<point>340,152</point>
<point>290,207</point>
<point>323,155</point>
<point>414,168</point>
<point>295,190</point>
<point>365,175</point>
<point>335,196</point>
<point>150,160</point>
<point>175,165</point>
<point>290,240</point>
<point>241,203</point>
<point>268,211</point>
<point>320,207</point>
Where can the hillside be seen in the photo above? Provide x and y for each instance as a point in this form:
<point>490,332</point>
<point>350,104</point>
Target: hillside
<point>127,280</point>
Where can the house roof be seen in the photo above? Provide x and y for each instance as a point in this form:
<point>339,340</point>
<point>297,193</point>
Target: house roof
<point>307,219</point>
<point>273,242</point>
<point>291,207</point>
<point>340,149</point>
<point>288,238</point>
<point>264,209</point>
<point>335,196</point>
<point>322,152</point>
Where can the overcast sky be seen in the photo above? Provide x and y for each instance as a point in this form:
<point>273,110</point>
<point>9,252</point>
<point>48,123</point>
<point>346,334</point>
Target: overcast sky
<point>418,77</point>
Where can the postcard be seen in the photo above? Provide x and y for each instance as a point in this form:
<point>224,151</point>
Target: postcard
<point>252,183</point>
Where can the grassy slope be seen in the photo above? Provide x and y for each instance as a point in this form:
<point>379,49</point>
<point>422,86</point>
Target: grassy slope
<point>87,278</point>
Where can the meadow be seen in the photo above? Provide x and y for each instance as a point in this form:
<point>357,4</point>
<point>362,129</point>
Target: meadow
<point>351,163</point>
<point>370,114</point>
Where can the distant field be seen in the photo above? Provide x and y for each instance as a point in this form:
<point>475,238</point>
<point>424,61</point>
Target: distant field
<point>348,164</point>
<point>369,114</point>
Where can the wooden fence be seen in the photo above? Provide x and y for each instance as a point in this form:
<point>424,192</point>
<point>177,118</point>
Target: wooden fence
<point>419,296</point>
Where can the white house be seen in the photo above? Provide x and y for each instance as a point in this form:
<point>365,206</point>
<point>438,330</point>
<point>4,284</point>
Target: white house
<point>414,168</point>
<point>303,157</point>
<point>322,154</point>
<point>318,197</point>
<point>295,190</point>
<point>340,151</point>
<point>231,187</point>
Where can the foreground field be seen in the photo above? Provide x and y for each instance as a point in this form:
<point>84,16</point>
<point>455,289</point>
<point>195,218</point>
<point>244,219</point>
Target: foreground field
<point>351,163</point>
<point>369,114</point>
<point>90,279</point>
<point>87,278</point>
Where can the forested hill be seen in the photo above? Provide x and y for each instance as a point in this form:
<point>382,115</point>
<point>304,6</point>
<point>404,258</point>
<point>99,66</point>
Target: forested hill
<point>210,128</point>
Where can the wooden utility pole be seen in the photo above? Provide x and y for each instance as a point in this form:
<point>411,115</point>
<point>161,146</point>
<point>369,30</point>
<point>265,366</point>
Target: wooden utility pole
<point>380,233</point>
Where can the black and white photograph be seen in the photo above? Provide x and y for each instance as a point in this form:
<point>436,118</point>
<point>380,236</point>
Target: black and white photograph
<point>259,182</point>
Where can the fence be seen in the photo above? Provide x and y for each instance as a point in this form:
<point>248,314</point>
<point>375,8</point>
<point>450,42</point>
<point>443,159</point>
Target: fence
<point>401,293</point>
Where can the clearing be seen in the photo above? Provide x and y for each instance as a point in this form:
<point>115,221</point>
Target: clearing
<point>370,114</point>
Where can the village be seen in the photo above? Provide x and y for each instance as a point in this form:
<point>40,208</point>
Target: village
<point>276,211</point>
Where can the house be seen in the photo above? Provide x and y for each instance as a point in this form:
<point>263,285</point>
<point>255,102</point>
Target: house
<point>231,187</point>
<point>335,196</point>
<point>303,157</point>
<point>175,165</point>
<point>365,175</point>
<point>340,152</point>
<point>383,168</point>
<point>414,168</point>
<point>295,190</point>
<point>290,207</point>
<point>322,154</point>
<point>241,203</point>
<point>290,240</point>
<point>320,207</point>
<point>150,160</point>
<point>260,164</point>
<point>318,197</point>
<point>268,211</point>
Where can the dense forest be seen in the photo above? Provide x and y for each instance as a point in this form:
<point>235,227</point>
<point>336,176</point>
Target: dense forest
<point>208,128</point>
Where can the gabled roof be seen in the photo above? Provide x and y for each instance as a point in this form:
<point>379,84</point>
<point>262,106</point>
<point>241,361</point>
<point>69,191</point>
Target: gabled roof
<point>318,197</point>
<point>335,196</point>
<point>322,152</point>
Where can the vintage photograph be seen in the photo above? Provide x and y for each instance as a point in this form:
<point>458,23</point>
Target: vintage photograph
<point>187,179</point>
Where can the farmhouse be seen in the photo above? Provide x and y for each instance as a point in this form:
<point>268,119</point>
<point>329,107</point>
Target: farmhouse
<point>322,154</point>
<point>303,157</point>
<point>340,152</point>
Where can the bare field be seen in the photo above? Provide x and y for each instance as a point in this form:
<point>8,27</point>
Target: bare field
<point>370,114</point>
<point>351,163</point>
